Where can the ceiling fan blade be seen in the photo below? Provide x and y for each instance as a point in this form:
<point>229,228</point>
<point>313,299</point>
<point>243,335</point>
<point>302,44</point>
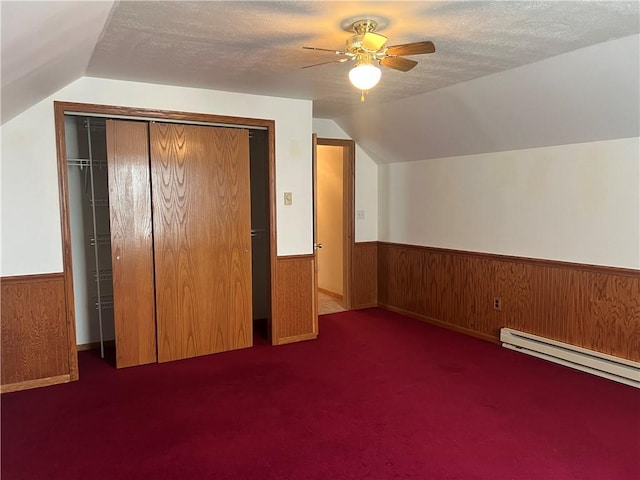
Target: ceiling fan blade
<point>342,60</point>
<point>337,52</point>
<point>373,41</point>
<point>398,63</point>
<point>415,48</point>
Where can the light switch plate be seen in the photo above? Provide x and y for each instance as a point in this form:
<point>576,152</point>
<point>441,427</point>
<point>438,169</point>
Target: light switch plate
<point>288,200</point>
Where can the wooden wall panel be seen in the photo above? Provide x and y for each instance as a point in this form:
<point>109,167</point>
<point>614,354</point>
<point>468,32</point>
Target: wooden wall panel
<point>592,307</point>
<point>613,306</point>
<point>476,307</point>
<point>295,316</point>
<point>364,289</point>
<point>447,282</point>
<point>35,337</point>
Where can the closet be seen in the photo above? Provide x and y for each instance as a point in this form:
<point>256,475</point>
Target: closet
<point>182,253</point>
<point>89,218</point>
<point>261,279</point>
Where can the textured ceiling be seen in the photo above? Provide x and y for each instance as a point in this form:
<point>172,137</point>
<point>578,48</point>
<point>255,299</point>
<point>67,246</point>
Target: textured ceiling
<point>255,47</point>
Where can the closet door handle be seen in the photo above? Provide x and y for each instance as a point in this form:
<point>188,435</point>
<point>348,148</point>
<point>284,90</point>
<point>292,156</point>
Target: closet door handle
<point>317,245</point>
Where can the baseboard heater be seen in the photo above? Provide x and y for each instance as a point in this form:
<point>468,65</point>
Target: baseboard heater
<point>601,364</point>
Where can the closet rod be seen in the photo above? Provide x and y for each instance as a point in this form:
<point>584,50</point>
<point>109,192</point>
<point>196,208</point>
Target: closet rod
<point>163,120</point>
<point>95,126</point>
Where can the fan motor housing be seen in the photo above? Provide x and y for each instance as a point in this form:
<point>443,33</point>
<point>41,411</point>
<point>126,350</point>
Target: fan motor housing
<point>363,26</point>
<point>354,44</point>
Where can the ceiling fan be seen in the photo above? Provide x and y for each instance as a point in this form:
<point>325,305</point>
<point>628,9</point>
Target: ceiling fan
<point>366,47</point>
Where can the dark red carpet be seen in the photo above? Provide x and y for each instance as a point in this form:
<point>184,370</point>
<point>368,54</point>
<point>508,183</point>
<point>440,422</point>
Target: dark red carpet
<point>377,396</point>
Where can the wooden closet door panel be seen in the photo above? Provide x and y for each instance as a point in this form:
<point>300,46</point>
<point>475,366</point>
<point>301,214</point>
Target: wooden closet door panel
<point>131,242</point>
<point>202,239</point>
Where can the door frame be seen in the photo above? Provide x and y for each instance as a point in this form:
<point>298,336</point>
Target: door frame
<point>143,114</point>
<point>348,210</point>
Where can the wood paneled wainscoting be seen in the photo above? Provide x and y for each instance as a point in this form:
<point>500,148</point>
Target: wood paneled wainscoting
<point>593,307</point>
<point>364,283</point>
<point>38,345</point>
<point>294,297</point>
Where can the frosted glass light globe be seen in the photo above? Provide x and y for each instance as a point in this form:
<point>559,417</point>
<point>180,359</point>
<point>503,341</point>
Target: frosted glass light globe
<point>365,77</point>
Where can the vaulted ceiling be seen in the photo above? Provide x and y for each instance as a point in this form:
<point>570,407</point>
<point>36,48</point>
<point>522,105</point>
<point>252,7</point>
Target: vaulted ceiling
<point>256,47</point>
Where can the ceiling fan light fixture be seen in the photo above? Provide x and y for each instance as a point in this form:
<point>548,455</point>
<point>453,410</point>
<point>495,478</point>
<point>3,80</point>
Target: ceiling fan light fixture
<point>367,47</point>
<point>365,76</point>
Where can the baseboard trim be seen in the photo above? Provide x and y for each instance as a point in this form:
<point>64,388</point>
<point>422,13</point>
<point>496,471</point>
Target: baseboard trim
<point>40,382</point>
<point>297,338</point>
<point>335,295</point>
<point>95,345</point>
<point>366,305</point>
<point>439,323</point>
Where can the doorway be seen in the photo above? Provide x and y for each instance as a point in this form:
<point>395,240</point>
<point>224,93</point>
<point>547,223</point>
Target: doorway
<point>334,217</point>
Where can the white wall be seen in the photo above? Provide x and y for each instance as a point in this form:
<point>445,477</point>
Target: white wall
<point>366,173</point>
<point>576,203</point>
<point>31,232</point>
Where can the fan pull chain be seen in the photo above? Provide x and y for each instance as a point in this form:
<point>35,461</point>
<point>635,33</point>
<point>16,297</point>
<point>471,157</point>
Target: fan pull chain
<point>362,96</point>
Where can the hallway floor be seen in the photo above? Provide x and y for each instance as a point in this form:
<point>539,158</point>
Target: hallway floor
<point>328,304</point>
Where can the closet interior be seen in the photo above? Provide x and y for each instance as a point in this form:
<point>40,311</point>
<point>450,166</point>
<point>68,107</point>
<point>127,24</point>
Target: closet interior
<point>260,258</point>
<point>90,232</point>
<point>93,207</point>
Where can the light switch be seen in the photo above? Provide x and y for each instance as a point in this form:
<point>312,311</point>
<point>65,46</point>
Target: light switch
<point>359,214</point>
<point>288,198</point>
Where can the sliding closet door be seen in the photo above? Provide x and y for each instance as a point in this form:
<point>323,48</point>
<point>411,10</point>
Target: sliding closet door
<point>202,239</point>
<point>131,242</point>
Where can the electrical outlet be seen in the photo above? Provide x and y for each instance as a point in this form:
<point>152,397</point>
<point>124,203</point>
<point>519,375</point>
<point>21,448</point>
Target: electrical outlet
<point>497,303</point>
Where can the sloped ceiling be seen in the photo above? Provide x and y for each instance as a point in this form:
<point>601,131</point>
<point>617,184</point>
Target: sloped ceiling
<point>582,96</point>
<point>45,46</point>
<point>255,47</point>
